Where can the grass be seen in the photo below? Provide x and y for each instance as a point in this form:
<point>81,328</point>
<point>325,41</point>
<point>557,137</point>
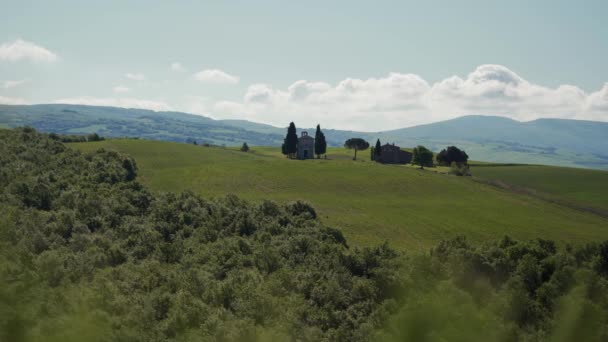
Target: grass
<point>582,186</point>
<point>369,202</point>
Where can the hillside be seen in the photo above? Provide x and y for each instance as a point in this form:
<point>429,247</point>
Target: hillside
<point>582,188</point>
<point>548,141</point>
<point>370,203</point>
<point>88,252</point>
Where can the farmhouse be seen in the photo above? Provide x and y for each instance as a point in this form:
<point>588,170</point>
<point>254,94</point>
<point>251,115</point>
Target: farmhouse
<point>392,154</point>
<point>306,146</point>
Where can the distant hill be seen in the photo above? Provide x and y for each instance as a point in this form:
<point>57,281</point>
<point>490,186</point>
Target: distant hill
<point>486,138</point>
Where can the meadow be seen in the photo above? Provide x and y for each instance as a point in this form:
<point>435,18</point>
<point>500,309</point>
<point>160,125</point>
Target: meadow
<point>370,203</point>
<point>571,185</point>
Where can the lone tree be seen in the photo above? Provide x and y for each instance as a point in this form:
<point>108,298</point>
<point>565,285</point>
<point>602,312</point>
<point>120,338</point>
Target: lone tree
<point>320,143</point>
<point>422,156</point>
<point>377,151</point>
<point>452,154</point>
<point>291,141</point>
<point>357,144</point>
<point>245,147</point>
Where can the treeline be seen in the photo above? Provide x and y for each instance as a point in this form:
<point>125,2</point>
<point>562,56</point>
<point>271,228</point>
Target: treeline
<point>71,138</point>
<point>88,253</point>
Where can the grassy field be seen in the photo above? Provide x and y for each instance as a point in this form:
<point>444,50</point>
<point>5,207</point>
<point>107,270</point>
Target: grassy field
<point>581,186</point>
<point>370,203</point>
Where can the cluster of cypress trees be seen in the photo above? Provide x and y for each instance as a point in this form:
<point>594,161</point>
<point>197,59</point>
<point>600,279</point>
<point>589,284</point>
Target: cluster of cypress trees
<point>290,143</point>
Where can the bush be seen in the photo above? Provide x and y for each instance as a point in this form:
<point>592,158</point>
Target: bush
<point>460,169</point>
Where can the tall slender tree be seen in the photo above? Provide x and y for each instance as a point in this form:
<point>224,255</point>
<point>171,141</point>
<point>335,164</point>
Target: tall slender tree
<point>284,147</point>
<point>291,141</point>
<point>320,143</point>
<point>377,150</point>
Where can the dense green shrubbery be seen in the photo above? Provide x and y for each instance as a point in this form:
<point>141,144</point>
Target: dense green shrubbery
<point>85,245</point>
<point>87,253</point>
<point>505,290</point>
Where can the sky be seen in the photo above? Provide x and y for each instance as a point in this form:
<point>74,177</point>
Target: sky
<point>361,65</point>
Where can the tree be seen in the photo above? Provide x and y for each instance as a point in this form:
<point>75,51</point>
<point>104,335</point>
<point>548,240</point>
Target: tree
<point>94,137</point>
<point>357,144</point>
<point>245,147</point>
<point>452,154</point>
<point>291,141</point>
<point>377,151</point>
<point>284,147</point>
<point>422,156</point>
<point>320,143</point>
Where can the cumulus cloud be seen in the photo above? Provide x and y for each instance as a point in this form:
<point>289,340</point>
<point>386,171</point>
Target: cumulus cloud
<point>12,84</point>
<point>117,102</point>
<point>401,100</point>
<point>12,101</point>
<point>121,89</point>
<point>215,76</point>
<point>177,67</point>
<point>135,76</point>
<point>24,50</point>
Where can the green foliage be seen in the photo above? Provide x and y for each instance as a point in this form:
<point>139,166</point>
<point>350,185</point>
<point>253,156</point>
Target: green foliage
<point>377,150</point>
<point>356,144</point>
<point>244,147</point>
<point>88,253</point>
<point>422,157</point>
<point>452,154</point>
<point>291,140</point>
<point>460,169</point>
<point>94,137</point>
<point>320,143</point>
<point>505,290</point>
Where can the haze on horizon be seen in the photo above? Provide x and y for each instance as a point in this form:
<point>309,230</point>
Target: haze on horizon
<point>366,67</point>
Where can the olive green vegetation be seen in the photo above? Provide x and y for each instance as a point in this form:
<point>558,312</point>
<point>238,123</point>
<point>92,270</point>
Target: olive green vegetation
<point>370,203</point>
<point>87,253</point>
<point>582,186</point>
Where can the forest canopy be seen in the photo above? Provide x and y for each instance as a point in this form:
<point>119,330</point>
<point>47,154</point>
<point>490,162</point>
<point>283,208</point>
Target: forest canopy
<point>89,253</point>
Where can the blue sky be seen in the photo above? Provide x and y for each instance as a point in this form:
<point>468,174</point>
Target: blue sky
<point>343,63</point>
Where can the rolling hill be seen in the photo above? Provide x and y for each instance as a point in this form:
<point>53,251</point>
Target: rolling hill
<point>558,142</point>
<point>370,203</point>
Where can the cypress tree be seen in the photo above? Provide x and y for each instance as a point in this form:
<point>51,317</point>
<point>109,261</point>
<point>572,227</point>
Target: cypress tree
<point>377,150</point>
<point>284,147</point>
<point>320,144</point>
<point>291,140</point>
<point>323,144</point>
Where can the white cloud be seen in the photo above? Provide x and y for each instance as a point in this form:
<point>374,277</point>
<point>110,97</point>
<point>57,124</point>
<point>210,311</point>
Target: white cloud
<point>12,84</point>
<point>121,89</point>
<point>135,76</point>
<point>400,100</point>
<point>177,67</point>
<point>12,101</point>
<point>24,50</point>
<point>117,102</point>
<point>215,76</point>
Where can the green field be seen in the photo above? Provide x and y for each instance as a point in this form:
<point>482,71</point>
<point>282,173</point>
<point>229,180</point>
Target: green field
<point>371,203</point>
<point>571,185</point>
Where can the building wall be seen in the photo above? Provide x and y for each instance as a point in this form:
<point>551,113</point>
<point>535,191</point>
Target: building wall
<point>392,154</point>
<point>306,148</point>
